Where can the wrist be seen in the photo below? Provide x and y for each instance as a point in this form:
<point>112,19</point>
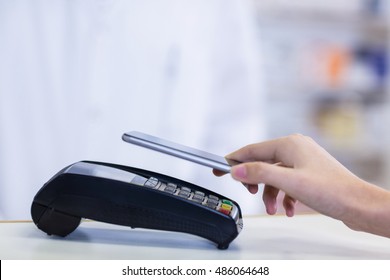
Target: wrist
<point>368,209</point>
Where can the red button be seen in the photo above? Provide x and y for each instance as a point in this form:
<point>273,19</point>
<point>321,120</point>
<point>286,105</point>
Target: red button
<point>224,211</point>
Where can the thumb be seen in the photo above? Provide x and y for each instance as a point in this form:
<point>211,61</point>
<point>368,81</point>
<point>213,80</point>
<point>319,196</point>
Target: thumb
<point>262,172</point>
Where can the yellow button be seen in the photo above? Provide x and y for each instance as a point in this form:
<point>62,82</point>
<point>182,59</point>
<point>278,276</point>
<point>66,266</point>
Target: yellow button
<point>226,206</point>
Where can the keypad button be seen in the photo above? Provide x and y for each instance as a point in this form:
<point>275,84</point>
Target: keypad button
<point>170,189</point>
<point>198,197</point>
<point>151,183</point>
<point>184,193</point>
<point>197,200</point>
<point>199,193</point>
<point>213,197</point>
<point>224,211</point>
<point>185,189</point>
<point>139,180</point>
<point>226,206</point>
<point>212,203</point>
<point>228,202</point>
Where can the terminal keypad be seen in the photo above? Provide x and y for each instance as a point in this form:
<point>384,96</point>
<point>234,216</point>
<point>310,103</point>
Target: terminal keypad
<point>223,206</point>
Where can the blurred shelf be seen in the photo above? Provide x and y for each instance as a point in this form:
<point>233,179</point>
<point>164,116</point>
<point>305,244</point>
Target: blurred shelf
<point>313,14</point>
<point>327,76</point>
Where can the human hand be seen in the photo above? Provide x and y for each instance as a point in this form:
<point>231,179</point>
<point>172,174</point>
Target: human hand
<point>304,171</point>
<point>300,168</point>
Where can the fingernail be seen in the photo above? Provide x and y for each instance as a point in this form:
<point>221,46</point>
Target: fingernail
<point>239,172</point>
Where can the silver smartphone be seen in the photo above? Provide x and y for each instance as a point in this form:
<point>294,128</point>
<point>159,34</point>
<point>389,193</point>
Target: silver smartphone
<point>177,150</point>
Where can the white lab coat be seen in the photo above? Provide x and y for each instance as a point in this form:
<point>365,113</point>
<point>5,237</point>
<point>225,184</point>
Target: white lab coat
<point>75,75</point>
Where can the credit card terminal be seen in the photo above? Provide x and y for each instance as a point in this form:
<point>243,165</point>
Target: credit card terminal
<point>133,197</point>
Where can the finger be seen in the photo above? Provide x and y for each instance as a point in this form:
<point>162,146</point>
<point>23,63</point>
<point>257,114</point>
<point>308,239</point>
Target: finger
<point>269,198</point>
<point>218,173</point>
<point>272,151</point>
<point>289,205</point>
<point>263,151</point>
<point>260,172</point>
<point>252,188</point>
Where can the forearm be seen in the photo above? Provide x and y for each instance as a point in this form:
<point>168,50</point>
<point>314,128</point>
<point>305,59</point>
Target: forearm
<point>368,209</point>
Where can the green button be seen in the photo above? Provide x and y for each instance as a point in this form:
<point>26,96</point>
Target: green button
<point>228,202</point>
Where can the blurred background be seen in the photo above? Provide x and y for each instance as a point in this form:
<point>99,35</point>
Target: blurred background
<point>214,75</point>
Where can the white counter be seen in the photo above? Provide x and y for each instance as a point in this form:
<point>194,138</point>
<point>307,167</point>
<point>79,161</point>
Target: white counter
<point>263,237</point>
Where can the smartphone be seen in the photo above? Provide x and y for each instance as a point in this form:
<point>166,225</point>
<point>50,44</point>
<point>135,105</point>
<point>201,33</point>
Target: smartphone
<point>177,150</point>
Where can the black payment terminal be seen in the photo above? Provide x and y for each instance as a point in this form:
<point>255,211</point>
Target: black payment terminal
<point>136,198</point>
